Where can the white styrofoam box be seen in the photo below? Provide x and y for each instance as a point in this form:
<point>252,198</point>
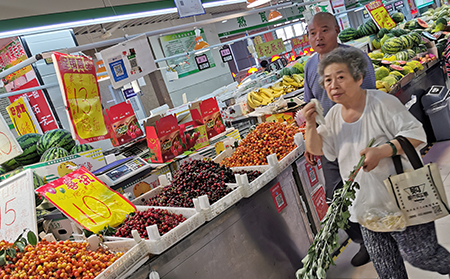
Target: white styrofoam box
<point>194,220</point>
<point>267,174</point>
<point>135,257</point>
<point>291,157</point>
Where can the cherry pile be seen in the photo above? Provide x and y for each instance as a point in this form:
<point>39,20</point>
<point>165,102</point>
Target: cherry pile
<point>266,139</point>
<point>192,180</point>
<point>63,259</point>
<point>142,219</point>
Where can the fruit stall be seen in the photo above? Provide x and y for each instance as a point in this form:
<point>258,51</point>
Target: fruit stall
<point>216,188</point>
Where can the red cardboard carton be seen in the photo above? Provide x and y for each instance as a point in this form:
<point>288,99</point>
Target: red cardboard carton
<point>207,113</point>
<point>123,123</point>
<point>164,139</point>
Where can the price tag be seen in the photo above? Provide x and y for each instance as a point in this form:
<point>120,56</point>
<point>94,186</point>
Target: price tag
<point>78,82</point>
<point>17,206</point>
<point>366,14</point>
<point>9,147</point>
<point>87,201</point>
<point>312,175</point>
<point>398,5</point>
<point>319,162</point>
<point>202,62</point>
<point>380,15</point>
<point>23,117</point>
<point>278,197</point>
<point>389,8</point>
<point>225,53</point>
<point>320,202</point>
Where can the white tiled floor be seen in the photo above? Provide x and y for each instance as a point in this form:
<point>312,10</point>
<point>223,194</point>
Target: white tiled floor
<point>440,154</point>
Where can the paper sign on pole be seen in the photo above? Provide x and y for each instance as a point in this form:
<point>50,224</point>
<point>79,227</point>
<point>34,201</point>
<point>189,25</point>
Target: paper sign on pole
<point>17,206</point>
<point>86,200</point>
<point>380,15</point>
<point>128,61</point>
<point>270,48</point>
<point>78,82</point>
<point>39,104</point>
<point>188,8</point>
<point>9,148</point>
<point>22,117</point>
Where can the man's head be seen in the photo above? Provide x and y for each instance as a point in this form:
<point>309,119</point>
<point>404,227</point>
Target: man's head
<point>323,32</point>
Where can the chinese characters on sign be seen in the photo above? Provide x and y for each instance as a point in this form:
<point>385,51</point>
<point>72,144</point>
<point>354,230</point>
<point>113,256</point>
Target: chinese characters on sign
<point>225,53</point>
<point>241,22</point>
<point>380,15</point>
<point>202,62</point>
<point>300,42</point>
<point>10,55</point>
<point>22,117</point>
<point>78,82</point>
<point>86,200</point>
<point>270,48</point>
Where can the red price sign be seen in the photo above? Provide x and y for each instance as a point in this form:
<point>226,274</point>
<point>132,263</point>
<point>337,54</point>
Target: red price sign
<point>380,15</point>
<point>278,197</point>
<point>87,201</point>
<point>320,202</point>
<point>17,206</point>
<point>300,42</point>
<point>312,175</point>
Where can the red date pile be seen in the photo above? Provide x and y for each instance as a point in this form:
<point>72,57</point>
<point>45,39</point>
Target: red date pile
<point>142,219</point>
<point>195,179</point>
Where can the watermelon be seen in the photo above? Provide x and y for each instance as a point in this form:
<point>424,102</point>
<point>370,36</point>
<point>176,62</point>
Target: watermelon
<point>3,170</point>
<point>381,73</point>
<point>58,138</point>
<point>392,46</point>
<point>416,38</point>
<point>407,41</point>
<point>411,54</point>
<point>81,148</point>
<point>371,27</point>
<point>396,67</point>
<point>347,34</point>
<point>397,17</point>
<point>398,32</point>
<point>11,164</point>
<point>37,180</point>
<point>382,32</point>
<point>385,38</point>
<point>376,43</point>
<point>28,143</point>
<point>423,24</point>
<point>402,55</point>
<point>362,31</point>
<point>54,153</point>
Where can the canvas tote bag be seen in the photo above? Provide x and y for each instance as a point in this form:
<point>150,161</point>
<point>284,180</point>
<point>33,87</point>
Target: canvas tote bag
<point>419,193</point>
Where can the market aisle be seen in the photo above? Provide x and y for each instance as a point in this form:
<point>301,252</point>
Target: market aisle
<point>439,153</point>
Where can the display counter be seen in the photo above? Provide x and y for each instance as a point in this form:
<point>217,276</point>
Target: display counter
<point>255,238</point>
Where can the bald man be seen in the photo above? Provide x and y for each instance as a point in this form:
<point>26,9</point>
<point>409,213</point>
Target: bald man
<point>323,32</point>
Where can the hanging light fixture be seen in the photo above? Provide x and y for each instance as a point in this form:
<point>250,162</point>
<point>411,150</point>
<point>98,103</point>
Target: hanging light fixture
<point>274,15</point>
<point>200,43</point>
<point>256,3</point>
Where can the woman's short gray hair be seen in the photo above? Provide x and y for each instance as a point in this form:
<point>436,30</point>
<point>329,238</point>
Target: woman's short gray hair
<point>354,58</point>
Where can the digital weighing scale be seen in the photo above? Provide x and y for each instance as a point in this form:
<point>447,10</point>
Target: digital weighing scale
<point>124,173</point>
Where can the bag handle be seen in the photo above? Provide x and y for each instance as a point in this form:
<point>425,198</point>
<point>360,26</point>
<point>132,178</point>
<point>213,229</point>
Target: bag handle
<point>410,152</point>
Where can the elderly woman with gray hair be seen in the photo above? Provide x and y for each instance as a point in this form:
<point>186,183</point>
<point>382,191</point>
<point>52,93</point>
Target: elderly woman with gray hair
<point>358,116</point>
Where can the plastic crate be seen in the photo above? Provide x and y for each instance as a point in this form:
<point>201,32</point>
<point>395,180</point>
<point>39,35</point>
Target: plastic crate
<point>129,262</point>
<point>267,174</point>
<point>193,221</point>
<point>211,211</point>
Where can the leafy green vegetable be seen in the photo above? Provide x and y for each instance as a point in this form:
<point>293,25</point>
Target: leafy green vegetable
<point>319,259</point>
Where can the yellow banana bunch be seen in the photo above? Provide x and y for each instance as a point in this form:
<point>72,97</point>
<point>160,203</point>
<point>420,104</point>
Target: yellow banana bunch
<point>260,97</point>
<point>296,81</point>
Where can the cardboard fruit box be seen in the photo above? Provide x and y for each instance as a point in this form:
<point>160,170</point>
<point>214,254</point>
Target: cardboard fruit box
<point>207,113</point>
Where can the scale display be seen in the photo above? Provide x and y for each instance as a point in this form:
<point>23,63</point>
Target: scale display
<point>124,171</point>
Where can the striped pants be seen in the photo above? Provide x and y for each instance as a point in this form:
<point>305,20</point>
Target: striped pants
<point>417,245</point>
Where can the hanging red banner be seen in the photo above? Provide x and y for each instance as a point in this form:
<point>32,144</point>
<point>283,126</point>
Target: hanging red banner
<point>39,106</point>
<point>81,95</point>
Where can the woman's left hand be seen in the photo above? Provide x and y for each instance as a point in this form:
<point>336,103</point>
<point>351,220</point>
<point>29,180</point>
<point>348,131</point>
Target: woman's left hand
<point>373,157</point>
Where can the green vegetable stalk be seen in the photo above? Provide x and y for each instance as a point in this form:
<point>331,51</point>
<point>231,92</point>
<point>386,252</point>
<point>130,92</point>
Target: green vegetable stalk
<point>319,259</point>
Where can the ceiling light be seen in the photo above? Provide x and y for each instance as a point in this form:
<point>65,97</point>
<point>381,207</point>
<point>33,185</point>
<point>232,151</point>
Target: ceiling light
<point>200,43</point>
<point>275,15</point>
<point>223,21</point>
<point>256,3</point>
<point>115,18</point>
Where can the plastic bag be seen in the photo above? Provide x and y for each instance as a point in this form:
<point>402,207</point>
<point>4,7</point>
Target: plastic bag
<point>376,210</point>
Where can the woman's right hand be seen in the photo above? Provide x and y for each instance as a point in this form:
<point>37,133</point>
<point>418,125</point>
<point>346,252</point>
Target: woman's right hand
<point>309,112</point>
